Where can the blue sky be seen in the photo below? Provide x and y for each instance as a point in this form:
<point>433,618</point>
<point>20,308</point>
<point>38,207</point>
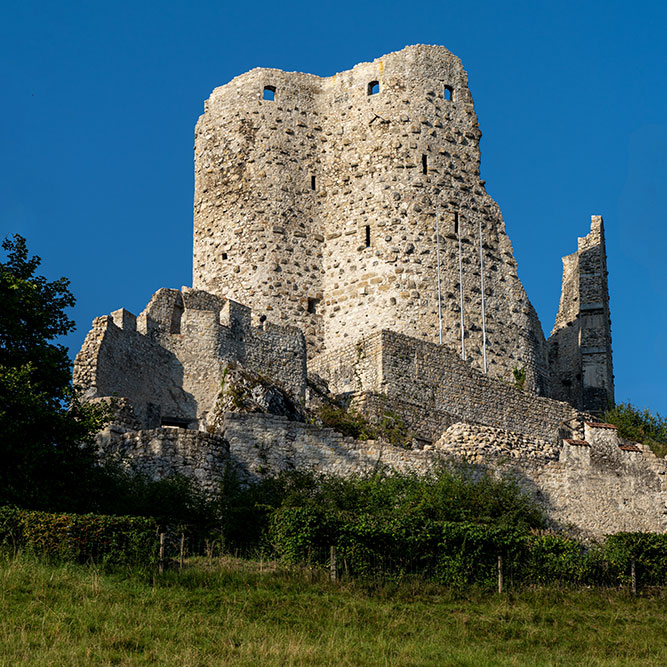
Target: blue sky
<point>100,99</point>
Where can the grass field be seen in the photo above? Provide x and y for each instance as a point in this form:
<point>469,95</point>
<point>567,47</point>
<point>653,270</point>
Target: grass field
<point>240,613</point>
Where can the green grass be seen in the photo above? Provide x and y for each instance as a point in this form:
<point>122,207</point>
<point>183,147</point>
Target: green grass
<point>235,612</point>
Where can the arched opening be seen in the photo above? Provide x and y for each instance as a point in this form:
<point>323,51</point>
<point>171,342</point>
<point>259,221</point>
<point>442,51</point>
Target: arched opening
<point>449,93</point>
<point>270,93</point>
<point>424,164</point>
<point>373,88</point>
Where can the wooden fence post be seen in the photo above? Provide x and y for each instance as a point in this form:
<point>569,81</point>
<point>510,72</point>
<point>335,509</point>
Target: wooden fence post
<point>161,561</point>
<point>500,574</point>
<point>333,570</point>
<point>633,575</point>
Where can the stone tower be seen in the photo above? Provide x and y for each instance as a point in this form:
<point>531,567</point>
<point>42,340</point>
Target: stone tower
<point>580,343</point>
<point>316,202</point>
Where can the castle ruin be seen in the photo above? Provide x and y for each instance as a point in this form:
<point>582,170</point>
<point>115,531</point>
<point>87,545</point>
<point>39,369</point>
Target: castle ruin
<point>345,244</point>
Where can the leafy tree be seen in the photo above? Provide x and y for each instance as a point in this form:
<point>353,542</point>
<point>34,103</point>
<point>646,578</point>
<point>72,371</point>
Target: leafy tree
<point>45,431</point>
<point>639,425</point>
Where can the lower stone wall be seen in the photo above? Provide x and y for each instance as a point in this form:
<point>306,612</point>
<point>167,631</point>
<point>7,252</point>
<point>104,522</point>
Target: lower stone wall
<point>596,484</point>
<point>261,444</point>
<point>599,487</point>
<point>161,452</point>
<point>485,444</point>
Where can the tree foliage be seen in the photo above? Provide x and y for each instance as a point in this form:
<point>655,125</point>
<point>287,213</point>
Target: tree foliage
<point>45,431</point>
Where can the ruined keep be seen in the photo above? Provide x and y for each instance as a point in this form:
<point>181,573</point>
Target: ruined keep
<point>318,208</point>
<point>327,213</point>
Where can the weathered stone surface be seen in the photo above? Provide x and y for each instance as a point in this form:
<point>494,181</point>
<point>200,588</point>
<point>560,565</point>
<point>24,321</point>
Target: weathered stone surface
<point>164,452</point>
<point>170,361</point>
<point>318,210</point>
<point>431,387</point>
<point>593,485</point>
<point>580,358</point>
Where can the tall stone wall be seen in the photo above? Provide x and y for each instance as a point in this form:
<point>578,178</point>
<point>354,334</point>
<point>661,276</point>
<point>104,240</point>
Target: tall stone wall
<point>431,387</point>
<point>318,208</point>
<point>580,354</point>
<point>170,361</point>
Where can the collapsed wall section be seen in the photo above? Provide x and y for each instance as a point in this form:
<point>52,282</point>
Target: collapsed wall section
<point>580,355</point>
<point>430,388</point>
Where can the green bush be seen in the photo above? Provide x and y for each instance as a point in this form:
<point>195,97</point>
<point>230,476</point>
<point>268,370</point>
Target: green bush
<point>118,540</point>
<point>640,426</point>
<point>648,550</point>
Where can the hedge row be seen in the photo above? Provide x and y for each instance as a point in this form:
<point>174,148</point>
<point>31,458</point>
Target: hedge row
<point>125,540</point>
<point>460,553</point>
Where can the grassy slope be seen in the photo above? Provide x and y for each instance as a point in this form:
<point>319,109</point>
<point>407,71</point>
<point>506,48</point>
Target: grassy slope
<point>233,614</point>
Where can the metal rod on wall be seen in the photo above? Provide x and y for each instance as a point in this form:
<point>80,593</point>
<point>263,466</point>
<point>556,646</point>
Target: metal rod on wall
<point>437,238</point>
<point>458,230</point>
<point>481,270</point>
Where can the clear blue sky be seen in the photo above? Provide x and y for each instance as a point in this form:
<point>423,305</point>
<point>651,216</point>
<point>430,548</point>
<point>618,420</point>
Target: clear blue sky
<point>100,99</point>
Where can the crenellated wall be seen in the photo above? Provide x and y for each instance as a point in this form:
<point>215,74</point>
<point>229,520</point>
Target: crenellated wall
<point>169,362</point>
<point>318,209</point>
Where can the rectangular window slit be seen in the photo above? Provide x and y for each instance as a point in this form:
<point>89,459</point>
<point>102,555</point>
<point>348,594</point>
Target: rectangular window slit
<point>368,236</point>
<point>424,164</point>
<point>312,183</point>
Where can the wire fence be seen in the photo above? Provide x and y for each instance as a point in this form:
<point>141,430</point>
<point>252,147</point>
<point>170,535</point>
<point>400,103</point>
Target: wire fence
<point>492,572</point>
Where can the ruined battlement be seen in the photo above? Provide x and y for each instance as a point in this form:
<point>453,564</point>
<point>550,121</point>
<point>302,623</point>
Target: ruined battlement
<point>169,362</point>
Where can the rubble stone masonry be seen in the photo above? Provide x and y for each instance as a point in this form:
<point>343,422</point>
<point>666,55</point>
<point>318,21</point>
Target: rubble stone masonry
<point>318,208</point>
<point>316,205</point>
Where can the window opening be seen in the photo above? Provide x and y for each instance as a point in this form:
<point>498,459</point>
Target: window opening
<point>270,93</point>
<point>368,236</point>
<point>312,183</point>
<point>312,305</point>
<point>456,223</point>
<point>373,88</point>
<point>224,255</point>
<point>424,164</point>
<point>449,93</point>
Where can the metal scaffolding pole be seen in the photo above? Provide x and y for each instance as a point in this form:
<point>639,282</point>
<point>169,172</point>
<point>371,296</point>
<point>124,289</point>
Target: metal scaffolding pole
<point>437,239</point>
<point>463,342</point>
<point>481,271</point>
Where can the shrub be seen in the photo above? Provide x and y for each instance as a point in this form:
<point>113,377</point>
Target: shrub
<point>648,550</point>
<point>118,540</point>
